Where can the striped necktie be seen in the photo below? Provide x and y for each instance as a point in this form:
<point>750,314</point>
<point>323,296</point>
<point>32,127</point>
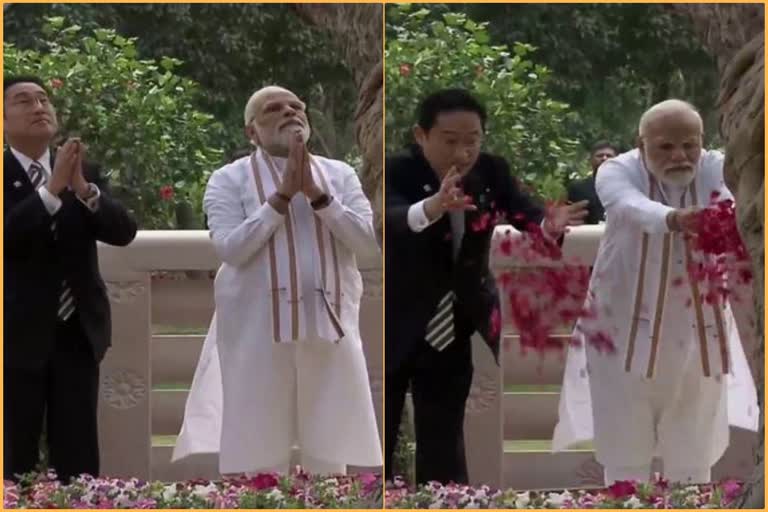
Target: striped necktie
<point>440,327</point>
<point>66,300</point>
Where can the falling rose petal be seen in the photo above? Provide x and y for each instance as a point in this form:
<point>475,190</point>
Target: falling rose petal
<point>688,302</point>
<point>495,327</point>
<point>677,282</point>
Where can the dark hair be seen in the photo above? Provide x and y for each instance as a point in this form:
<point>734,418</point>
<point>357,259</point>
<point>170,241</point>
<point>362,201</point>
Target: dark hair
<point>603,144</point>
<point>22,79</point>
<point>448,100</point>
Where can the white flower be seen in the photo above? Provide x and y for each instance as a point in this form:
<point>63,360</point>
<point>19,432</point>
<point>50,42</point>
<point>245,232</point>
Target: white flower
<point>557,500</point>
<point>169,492</point>
<point>633,502</point>
<point>276,494</point>
<point>523,499</point>
<point>202,491</point>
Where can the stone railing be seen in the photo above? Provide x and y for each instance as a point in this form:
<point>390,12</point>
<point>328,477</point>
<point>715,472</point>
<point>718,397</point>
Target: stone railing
<point>158,326</point>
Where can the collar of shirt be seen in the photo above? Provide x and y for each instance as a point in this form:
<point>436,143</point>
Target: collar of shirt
<point>26,162</point>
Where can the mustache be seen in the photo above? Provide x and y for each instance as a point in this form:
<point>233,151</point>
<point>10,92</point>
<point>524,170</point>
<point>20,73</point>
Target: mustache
<point>680,168</point>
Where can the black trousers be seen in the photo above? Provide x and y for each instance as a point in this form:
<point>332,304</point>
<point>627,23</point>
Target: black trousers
<point>439,383</point>
<point>65,393</point>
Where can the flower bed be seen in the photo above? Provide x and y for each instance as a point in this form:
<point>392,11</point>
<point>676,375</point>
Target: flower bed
<point>619,495</point>
<point>263,491</point>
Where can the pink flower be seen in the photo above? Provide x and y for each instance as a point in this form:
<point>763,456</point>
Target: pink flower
<point>57,83</point>
<point>405,70</point>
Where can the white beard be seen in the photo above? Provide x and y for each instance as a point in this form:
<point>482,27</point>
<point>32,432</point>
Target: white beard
<point>289,131</point>
<point>678,179</point>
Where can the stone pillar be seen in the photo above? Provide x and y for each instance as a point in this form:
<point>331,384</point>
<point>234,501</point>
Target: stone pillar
<point>125,435</point>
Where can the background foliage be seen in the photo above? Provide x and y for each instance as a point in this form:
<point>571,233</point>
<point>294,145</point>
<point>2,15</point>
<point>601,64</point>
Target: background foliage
<point>604,64</point>
<point>157,148</point>
<point>525,124</point>
<point>262,44</point>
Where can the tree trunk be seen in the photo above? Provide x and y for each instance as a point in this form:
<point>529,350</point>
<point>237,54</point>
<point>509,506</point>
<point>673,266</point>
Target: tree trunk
<point>734,35</point>
<point>356,29</point>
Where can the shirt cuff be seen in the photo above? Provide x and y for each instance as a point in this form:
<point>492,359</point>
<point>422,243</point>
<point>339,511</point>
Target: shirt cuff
<point>267,214</point>
<point>332,210</point>
<point>51,202</point>
<point>417,217</point>
<point>546,233</point>
<point>92,203</point>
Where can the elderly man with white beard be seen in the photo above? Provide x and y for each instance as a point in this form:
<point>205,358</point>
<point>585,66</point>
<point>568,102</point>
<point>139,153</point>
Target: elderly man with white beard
<point>679,376</point>
<point>283,363</point>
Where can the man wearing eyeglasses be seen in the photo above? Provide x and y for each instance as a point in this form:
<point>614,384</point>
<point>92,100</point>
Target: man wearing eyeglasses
<point>442,197</point>
<point>57,315</point>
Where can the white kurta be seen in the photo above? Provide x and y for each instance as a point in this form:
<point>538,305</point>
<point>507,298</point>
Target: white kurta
<point>252,398</point>
<point>642,401</point>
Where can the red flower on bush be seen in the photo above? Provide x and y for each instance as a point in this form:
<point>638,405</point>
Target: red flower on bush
<point>405,70</point>
<point>166,192</point>
<point>57,83</point>
<point>263,481</point>
<point>620,490</point>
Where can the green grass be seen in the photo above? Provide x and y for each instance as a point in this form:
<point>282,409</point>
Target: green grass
<point>540,445</point>
<point>171,329</point>
<point>172,386</point>
<point>164,440</point>
<point>532,388</point>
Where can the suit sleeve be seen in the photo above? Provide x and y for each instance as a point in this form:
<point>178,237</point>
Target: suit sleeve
<point>26,225</point>
<point>350,217</point>
<point>397,206</point>
<point>110,221</point>
<point>235,236</point>
<point>624,201</point>
<point>521,208</point>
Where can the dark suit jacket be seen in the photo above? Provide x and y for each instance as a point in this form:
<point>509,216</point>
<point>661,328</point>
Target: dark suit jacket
<point>420,267</point>
<point>585,189</point>
<point>36,263</point>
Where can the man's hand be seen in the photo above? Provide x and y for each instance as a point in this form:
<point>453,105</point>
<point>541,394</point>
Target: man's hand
<point>308,185</point>
<point>560,217</point>
<point>684,219</point>
<point>79,184</point>
<point>450,197</point>
<point>63,167</point>
<point>294,171</point>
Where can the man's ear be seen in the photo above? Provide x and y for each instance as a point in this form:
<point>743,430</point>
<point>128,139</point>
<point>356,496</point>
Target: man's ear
<point>251,135</point>
<point>419,135</point>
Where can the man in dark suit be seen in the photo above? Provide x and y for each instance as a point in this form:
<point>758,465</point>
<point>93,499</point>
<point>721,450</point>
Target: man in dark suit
<point>585,189</point>
<point>57,316</point>
<point>440,195</point>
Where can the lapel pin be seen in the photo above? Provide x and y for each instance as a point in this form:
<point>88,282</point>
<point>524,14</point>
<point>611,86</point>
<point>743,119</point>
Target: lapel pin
<point>17,184</point>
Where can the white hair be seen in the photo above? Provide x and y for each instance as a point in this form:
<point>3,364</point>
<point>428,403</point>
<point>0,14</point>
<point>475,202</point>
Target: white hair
<point>256,99</point>
<point>665,108</point>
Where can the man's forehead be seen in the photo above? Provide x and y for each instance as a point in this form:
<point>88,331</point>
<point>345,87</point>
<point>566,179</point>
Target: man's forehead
<point>24,88</point>
<point>272,97</point>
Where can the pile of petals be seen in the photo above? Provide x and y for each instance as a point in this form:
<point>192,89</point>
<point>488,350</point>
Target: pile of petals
<point>720,261</point>
<point>544,299</point>
<point>263,491</point>
<point>620,495</point>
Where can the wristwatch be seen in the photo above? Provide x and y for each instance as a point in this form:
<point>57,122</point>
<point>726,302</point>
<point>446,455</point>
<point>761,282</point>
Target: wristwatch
<point>321,202</point>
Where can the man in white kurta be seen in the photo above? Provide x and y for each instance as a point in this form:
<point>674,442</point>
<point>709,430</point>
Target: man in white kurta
<point>283,363</point>
<point>679,376</point>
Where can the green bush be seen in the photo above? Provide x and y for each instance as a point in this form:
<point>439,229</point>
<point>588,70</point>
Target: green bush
<point>136,116</point>
<point>525,125</point>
